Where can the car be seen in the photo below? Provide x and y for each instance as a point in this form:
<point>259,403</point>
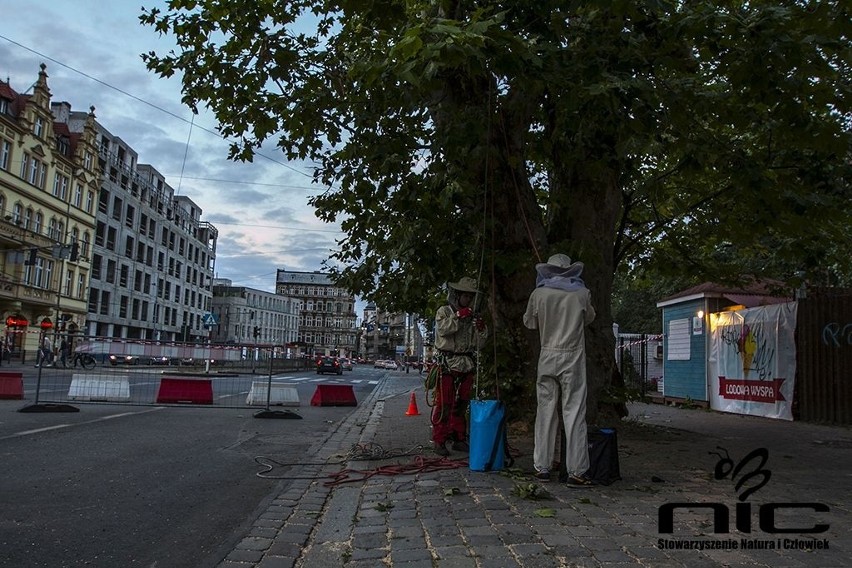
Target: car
<point>379,364</point>
<point>329,365</point>
<point>162,360</point>
<point>124,359</point>
<point>346,364</point>
<point>390,364</point>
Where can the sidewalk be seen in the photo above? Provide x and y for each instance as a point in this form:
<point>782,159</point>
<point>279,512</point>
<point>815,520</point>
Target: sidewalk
<point>458,518</point>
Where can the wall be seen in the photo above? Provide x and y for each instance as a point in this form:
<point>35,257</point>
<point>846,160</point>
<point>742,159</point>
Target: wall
<point>685,378</point>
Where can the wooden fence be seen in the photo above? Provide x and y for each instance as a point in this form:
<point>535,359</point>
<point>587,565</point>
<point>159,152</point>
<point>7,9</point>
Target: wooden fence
<point>824,356</point>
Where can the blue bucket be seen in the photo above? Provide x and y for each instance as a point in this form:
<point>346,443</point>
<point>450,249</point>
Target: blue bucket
<point>487,435</point>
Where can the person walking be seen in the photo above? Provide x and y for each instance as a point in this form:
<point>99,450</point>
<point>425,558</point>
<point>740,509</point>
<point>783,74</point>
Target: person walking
<point>458,331</point>
<point>45,352</point>
<point>559,308</point>
<point>64,350</point>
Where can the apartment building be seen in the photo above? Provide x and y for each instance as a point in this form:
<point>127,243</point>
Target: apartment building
<point>153,257</point>
<point>248,316</point>
<point>153,261</point>
<point>49,178</point>
<point>327,317</point>
<point>389,335</point>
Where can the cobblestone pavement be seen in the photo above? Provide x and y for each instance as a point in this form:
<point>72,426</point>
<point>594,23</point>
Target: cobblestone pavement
<point>416,511</point>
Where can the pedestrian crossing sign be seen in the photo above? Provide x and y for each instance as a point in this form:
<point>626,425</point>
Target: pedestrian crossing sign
<point>209,318</point>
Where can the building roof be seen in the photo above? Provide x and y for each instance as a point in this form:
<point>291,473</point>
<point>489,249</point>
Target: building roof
<point>17,100</point>
<point>757,293</point>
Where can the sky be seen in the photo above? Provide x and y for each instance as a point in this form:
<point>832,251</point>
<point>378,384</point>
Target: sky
<point>92,51</point>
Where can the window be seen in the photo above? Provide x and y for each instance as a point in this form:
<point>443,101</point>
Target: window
<point>679,340</point>
<point>4,106</point>
<point>93,301</point>
<point>16,213</point>
<point>96,267</point>
<point>90,201</point>
<point>42,273</point>
<point>117,204</point>
<point>53,229</point>
<point>63,145</point>
<point>28,218</point>
<point>87,160</point>
<point>39,220</point>
<point>60,186</point>
<point>100,232</point>
<point>87,240</point>
<point>81,285</point>
<point>129,215</point>
<point>78,195</point>
<point>103,201</point>
<point>110,274</point>
<point>38,127</point>
<point>5,154</point>
<point>38,173</point>
<point>25,164</point>
<point>104,302</point>
<point>69,281</point>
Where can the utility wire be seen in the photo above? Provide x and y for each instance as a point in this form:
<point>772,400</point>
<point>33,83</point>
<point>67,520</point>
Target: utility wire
<point>143,101</point>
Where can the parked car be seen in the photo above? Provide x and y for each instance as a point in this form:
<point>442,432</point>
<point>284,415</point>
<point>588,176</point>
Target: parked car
<point>329,365</point>
<point>346,364</point>
<point>162,360</point>
<point>124,359</point>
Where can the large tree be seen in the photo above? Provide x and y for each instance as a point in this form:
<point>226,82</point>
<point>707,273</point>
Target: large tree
<point>479,137</point>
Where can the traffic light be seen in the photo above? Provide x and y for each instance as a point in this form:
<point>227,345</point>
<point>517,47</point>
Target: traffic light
<point>256,331</point>
<point>75,251</point>
<point>31,259</point>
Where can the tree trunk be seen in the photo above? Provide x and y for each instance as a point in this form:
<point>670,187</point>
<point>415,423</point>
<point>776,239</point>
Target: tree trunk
<point>594,208</point>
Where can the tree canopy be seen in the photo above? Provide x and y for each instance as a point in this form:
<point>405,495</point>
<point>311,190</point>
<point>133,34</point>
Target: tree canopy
<point>478,137</point>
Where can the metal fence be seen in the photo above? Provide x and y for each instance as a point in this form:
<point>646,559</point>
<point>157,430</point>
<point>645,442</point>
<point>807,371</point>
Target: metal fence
<point>824,356</point>
<point>639,358</point>
<point>130,372</point>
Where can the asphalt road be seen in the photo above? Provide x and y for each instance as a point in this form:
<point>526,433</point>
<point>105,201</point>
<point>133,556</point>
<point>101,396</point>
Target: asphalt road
<point>120,485</point>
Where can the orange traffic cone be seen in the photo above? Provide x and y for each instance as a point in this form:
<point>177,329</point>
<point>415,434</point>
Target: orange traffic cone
<point>412,407</point>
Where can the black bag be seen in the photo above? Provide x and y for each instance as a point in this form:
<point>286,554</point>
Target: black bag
<point>603,457</point>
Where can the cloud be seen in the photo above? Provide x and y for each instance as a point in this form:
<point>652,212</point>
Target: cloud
<point>92,52</point>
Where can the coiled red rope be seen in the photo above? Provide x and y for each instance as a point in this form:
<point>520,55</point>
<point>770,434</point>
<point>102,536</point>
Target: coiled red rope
<point>419,464</point>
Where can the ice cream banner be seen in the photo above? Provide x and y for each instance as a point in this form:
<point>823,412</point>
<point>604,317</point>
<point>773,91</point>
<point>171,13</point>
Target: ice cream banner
<point>752,366</point>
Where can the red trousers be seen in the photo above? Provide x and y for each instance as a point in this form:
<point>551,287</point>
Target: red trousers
<point>449,415</point>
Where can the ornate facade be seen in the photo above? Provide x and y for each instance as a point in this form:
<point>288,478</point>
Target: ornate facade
<point>49,180</point>
<point>327,319</point>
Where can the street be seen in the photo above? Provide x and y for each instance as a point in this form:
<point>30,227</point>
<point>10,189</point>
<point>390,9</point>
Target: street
<point>121,485</point>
